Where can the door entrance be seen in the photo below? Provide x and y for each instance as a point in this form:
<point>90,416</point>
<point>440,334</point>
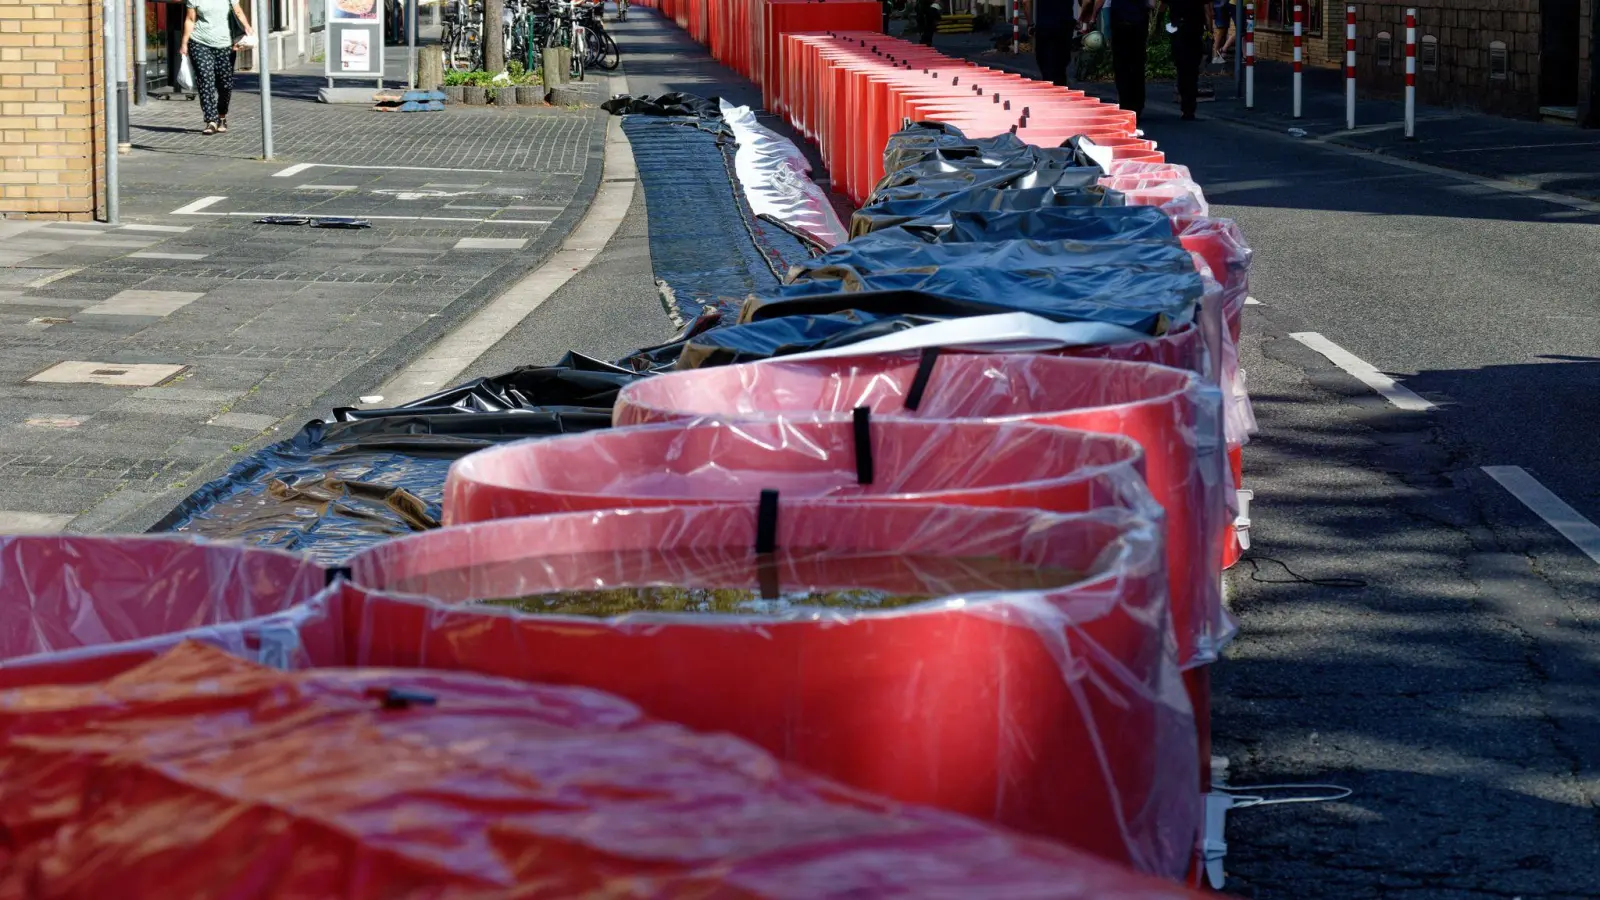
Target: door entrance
<point>1558,52</point>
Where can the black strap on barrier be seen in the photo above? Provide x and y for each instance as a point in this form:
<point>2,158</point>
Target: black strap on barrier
<point>1008,104</point>
<point>863,427</point>
<point>955,79</point>
<point>767,522</point>
<point>334,573</point>
<point>997,99</point>
<point>767,577</point>
<point>919,381</point>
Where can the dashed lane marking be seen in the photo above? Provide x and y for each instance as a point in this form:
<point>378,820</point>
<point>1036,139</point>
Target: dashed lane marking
<point>1584,534</point>
<point>1391,390</point>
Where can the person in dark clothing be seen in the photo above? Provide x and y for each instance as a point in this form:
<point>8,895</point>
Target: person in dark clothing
<point>1054,30</point>
<point>927,14</point>
<point>1191,19</point>
<point>1130,37</point>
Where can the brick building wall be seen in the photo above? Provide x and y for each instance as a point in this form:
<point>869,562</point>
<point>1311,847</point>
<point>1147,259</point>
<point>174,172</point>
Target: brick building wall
<point>50,107</point>
<point>1323,37</point>
<point>1461,73</point>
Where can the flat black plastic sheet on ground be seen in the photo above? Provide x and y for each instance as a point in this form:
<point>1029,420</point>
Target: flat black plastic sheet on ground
<point>706,245</point>
<point>335,488</point>
<point>672,103</point>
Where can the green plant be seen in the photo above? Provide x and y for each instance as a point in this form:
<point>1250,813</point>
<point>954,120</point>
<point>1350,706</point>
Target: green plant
<point>475,78</point>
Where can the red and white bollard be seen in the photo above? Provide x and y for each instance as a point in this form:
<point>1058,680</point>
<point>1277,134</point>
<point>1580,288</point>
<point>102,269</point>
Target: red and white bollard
<point>1249,56</point>
<point>1299,54</point>
<point>1411,74</point>
<point>1349,67</point>
<point>1016,33</point>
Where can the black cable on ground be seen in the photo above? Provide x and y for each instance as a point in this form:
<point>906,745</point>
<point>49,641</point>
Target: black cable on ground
<point>1295,577</point>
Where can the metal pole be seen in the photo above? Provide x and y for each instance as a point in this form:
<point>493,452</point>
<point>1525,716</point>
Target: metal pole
<point>108,53</point>
<point>1299,54</point>
<point>1249,56</point>
<point>411,44</point>
<point>1238,50</point>
<point>1349,67</point>
<point>141,54</point>
<point>1411,74</point>
<point>264,66</point>
<point>123,139</point>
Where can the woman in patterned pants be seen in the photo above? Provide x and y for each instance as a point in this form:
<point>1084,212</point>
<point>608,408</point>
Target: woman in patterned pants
<point>209,43</point>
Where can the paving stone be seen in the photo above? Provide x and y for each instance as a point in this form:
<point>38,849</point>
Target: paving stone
<point>490,244</point>
<point>255,422</point>
<point>114,374</point>
<point>143,303</point>
<point>16,521</point>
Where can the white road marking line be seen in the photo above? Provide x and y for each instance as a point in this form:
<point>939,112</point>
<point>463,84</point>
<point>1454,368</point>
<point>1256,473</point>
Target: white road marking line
<point>295,169</point>
<point>1520,147</point>
<point>151,254</point>
<point>1584,534</point>
<point>192,208</point>
<point>330,215</point>
<point>171,229</point>
<point>1251,301</point>
<point>327,187</point>
<point>515,222</point>
<point>1401,396</point>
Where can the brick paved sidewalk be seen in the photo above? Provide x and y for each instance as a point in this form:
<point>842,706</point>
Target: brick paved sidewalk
<point>203,335</point>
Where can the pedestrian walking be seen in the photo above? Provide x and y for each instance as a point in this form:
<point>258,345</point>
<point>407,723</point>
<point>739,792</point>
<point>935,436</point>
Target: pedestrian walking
<point>1224,15</point>
<point>927,15</point>
<point>1189,22</point>
<point>212,31</point>
<point>1130,38</point>
<point>1054,31</point>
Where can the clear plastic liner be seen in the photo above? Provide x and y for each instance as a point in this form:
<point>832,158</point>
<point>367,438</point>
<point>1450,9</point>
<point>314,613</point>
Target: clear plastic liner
<point>776,179</point>
<point>1175,198</point>
<point>73,606</point>
<point>709,460</point>
<point>1221,243</point>
<point>1169,412</point>
<point>1149,169</point>
<point>1056,711</point>
<point>357,784</point>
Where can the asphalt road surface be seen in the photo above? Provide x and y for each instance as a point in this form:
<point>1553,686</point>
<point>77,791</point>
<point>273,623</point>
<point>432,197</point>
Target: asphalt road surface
<point>1452,681</point>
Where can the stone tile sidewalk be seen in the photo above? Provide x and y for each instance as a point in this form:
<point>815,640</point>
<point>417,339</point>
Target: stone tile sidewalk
<point>137,362</point>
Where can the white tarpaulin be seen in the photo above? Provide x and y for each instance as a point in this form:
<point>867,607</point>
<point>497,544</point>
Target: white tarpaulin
<point>776,179</point>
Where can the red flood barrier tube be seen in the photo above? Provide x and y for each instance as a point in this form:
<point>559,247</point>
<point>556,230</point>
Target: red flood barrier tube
<point>75,608</point>
<point>709,461</point>
<point>1054,710</point>
<point>1167,411</point>
<point>561,792</point>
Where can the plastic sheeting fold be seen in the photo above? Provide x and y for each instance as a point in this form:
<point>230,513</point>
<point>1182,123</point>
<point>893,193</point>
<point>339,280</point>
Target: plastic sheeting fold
<point>357,784</point>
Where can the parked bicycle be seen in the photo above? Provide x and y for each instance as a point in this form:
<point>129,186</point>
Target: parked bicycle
<point>463,35</point>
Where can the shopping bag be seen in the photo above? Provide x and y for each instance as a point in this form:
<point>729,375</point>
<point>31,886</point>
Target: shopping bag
<point>185,75</point>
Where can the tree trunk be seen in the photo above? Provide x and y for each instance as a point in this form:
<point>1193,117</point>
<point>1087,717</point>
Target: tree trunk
<point>494,36</point>
<point>430,68</point>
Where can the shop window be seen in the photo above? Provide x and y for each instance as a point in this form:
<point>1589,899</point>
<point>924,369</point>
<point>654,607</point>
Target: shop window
<point>1385,49</point>
<point>1278,15</point>
<point>1429,53</point>
<point>1499,61</point>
